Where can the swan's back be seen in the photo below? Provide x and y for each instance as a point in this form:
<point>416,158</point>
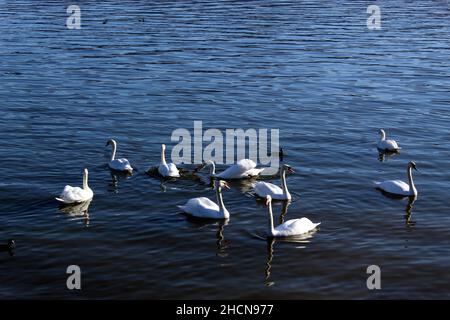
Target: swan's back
<point>201,207</point>
<point>263,189</point>
<point>74,194</point>
<point>296,227</point>
<point>394,186</point>
<point>238,170</point>
<point>120,164</point>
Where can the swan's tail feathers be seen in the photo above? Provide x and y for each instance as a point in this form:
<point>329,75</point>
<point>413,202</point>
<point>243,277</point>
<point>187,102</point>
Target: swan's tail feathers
<point>317,224</point>
<point>60,200</point>
<point>182,208</point>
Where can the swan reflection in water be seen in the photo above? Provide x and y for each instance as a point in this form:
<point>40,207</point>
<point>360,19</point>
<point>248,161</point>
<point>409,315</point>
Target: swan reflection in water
<point>409,205</point>
<point>76,211</point>
<point>383,156</point>
<point>222,244</point>
<point>301,239</point>
<point>116,177</point>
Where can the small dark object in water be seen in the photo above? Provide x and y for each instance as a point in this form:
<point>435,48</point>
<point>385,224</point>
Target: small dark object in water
<point>8,247</point>
<point>141,20</point>
<point>105,21</point>
<point>281,154</point>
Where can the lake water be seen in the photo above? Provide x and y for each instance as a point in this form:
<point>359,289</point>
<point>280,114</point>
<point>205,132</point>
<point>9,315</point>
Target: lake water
<point>310,69</point>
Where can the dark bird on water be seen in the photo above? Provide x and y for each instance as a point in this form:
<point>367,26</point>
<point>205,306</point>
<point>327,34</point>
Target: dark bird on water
<point>8,247</point>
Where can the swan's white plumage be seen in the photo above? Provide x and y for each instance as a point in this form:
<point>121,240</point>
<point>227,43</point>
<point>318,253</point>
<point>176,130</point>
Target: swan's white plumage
<point>121,164</point>
<point>398,187</point>
<point>394,186</point>
<point>289,228</point>
<point>203,207</point>
<point>71,194</point>
<point>387,145</point>
<point>167,169</point>
<point>244,168</point>
<point>263,189</point>
<point>295,227</point>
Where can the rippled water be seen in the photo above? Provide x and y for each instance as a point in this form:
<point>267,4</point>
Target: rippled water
<point>311,69</point>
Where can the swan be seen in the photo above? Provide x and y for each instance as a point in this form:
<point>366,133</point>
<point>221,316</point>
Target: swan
<point>398,187</point>
<point>289,228</point>
<point>204,208</point>
<point>387,145</point>
<point>77,194</point>
<point>121,164</point>
<point>263,189</point>
<point>243,169</point>
<point>167,169</point>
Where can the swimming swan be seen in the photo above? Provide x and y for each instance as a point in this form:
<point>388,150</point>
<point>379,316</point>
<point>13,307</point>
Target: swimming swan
<point>243,169</point>
<point>398,187</point>
<point>121,164</point>
<point>289,228</point>
<point>204,208</point>
<point>77,194</point>
<point>387,145</point>
<point>264,189</point>
<point>167,169</point>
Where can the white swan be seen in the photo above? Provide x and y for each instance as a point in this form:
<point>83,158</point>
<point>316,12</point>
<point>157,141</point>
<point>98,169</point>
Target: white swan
<point>387,145</point>
<point>398,187</point>
<point>77,194</point>
<point>289,228</point>
<point>264,189</point>
<point>121,164</point>
<point>204,208</point>
<point>167,169</point>
<point>243,169</point>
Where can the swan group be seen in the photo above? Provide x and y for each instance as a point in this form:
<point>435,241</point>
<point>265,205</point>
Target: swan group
<point>202,207</point>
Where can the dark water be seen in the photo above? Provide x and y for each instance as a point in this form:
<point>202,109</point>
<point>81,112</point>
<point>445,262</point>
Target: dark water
<point>311,69</point>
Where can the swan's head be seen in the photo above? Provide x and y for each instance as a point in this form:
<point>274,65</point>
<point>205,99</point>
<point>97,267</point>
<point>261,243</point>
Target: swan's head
<point>268,200</point>
<point>110,142</point>
<point>288,168</point>
<point>85,172</point>
<point>221,184</point>
<point>163,147</point>
<point>412,164</point>
<point>381,132</point>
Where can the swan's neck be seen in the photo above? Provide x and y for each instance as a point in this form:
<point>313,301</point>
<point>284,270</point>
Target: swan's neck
<point>383,135</point>
<point>163,155</point>
<point>212,171</point>
<point>114,149</point>
<point>220,199</point>
<point>85,181</point>
<point>271,229</point>
<point>283,181</point>
<point>412,187</point>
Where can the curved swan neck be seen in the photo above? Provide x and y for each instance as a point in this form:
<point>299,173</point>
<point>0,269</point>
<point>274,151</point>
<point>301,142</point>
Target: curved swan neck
<point>85,180</point>
<point>114,149</point>
<point>412,187</point>
<point>271,229</point>
<point>383,134</point>
<point>212,171</point>
<point>220,199</point>
<point>283,180</point>
<point>163,155</point>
